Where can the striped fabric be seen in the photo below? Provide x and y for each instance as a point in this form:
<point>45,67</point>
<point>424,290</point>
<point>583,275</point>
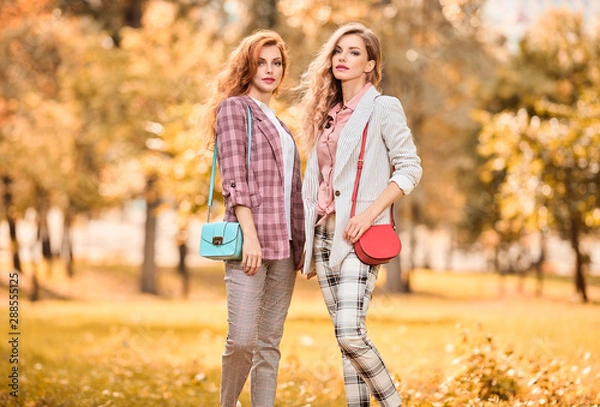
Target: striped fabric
<point>389,142</point>
<point>347,293</point>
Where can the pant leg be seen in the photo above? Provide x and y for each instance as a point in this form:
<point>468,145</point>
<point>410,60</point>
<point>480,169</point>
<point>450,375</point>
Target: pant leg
<point>278,288</point>
<point>244,294</point>
<point>357,392</point>
<point>347,294</point>
<point>357,281</point>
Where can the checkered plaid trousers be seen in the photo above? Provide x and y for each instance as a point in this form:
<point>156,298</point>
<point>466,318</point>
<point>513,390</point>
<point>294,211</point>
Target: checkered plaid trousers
<point>347,293</point>
<point>257,307</point>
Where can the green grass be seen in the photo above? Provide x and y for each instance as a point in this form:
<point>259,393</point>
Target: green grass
<point>113,347</point>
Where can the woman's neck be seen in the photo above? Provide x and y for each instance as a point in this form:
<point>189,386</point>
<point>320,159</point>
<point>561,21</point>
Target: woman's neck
<point>351,88</point>
<point>260,96</point>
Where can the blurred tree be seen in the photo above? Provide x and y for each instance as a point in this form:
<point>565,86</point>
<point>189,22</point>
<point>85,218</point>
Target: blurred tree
<point>540,136</point>
<point>110,15</point>
<point>95,82</point>
<point>263,15</point>
<point>155,66</point>
<point>442,64</point>
<point>84,122</point>
<point>8,202</point>
<point>63,80</point>
<point>170,58</point>
<point>28,64</point>
<point>94,125</point>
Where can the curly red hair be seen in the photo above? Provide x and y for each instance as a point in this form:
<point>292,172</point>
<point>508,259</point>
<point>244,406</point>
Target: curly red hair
<point>239,70</point>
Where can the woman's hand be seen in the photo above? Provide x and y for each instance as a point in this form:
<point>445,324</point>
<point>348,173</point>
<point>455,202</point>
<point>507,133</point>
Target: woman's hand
<point>360,223</point>
<point>357,225</point>
<point>251,255</point>
<point>300,264</point>
<point>251,249</point>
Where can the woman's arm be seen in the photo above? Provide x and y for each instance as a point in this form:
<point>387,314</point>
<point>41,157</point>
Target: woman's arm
<point>402,155</point>
<point>363,221</point>
<point>232,141</point>
<point>251,249</point>
<point>402,152</point>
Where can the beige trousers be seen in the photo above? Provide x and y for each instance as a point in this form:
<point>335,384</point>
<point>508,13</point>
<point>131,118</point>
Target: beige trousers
<point>257,308</point>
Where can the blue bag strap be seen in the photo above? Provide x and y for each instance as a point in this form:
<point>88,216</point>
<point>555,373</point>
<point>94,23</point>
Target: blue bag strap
<point>214,164</point>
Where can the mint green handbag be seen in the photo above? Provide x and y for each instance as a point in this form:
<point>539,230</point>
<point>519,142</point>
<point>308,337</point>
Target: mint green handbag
<point>223,240</point>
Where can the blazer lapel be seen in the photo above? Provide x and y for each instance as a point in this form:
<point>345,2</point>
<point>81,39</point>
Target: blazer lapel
<point>351,135</point>
<point>269,130</point>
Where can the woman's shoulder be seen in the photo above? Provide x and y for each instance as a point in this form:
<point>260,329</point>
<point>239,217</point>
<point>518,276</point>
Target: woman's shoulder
<point>233,101</point>
<point>386,105</point>
<point>386,100</point>
<point>231,106</point>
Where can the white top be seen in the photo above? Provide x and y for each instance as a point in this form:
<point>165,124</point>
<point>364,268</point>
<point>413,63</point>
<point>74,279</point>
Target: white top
<point>288,148</point>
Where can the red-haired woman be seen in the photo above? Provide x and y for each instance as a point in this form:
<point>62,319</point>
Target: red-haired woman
<point>266,200</point>
<point>340,100</point>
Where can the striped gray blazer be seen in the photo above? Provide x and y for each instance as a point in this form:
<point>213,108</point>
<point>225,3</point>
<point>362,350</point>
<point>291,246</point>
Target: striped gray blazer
<point>389,142</point>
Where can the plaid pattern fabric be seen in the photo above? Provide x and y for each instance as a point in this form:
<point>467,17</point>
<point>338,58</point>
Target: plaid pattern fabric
<point>264,190</point>
<point>347,292</point>
<point>257,308</point>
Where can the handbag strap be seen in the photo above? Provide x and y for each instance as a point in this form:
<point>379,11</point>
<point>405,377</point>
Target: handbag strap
<point>214,164</point>
<point>359,167</point>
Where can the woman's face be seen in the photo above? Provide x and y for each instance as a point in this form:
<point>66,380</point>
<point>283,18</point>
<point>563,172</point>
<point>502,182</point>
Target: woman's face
<point>349,60</point>
<point>269,73</point>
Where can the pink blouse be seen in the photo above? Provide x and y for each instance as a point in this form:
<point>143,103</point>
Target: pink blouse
<point>326,150</point>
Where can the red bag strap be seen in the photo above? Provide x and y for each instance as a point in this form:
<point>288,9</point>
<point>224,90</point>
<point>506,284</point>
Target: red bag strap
<point>359,167</point>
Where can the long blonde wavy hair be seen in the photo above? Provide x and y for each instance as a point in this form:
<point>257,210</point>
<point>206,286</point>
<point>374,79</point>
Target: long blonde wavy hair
<point>320,90</point>
<point>238,73</point>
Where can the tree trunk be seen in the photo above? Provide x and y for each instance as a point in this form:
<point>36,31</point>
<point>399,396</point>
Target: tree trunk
<point>11,219</point>
<point>397,280</point>
<point>134,14</point>
<point>148,279</point>
<point>34,294</point>
<point>131,17</point>
<point>500,271</point>
<point>263,15</point>
<point>580,284</point>
<point>520,270</point>
<point>415,216</point>
<point>451,249</point>
<point>393,281</point>
<point>182,267</point>
<point>67,244</point>
<point>539,265</point>
<point>43,233</point>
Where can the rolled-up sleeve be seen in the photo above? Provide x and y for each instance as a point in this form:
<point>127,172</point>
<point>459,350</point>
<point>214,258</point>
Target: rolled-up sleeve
<point>402,151</point>
<point>232,141</point>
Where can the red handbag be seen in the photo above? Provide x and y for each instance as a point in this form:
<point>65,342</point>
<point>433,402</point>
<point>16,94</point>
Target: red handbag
<point>380,243</point>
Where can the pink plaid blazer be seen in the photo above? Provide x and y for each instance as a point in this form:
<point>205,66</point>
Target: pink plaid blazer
<point>264,190</point>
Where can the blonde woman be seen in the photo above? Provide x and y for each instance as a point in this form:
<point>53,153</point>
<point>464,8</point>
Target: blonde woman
<point>340,98</point>
<point>266,200</point>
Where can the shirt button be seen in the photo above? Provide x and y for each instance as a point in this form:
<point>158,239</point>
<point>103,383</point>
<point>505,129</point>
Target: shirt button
<point>233,185</point>
<point>337,193</point>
